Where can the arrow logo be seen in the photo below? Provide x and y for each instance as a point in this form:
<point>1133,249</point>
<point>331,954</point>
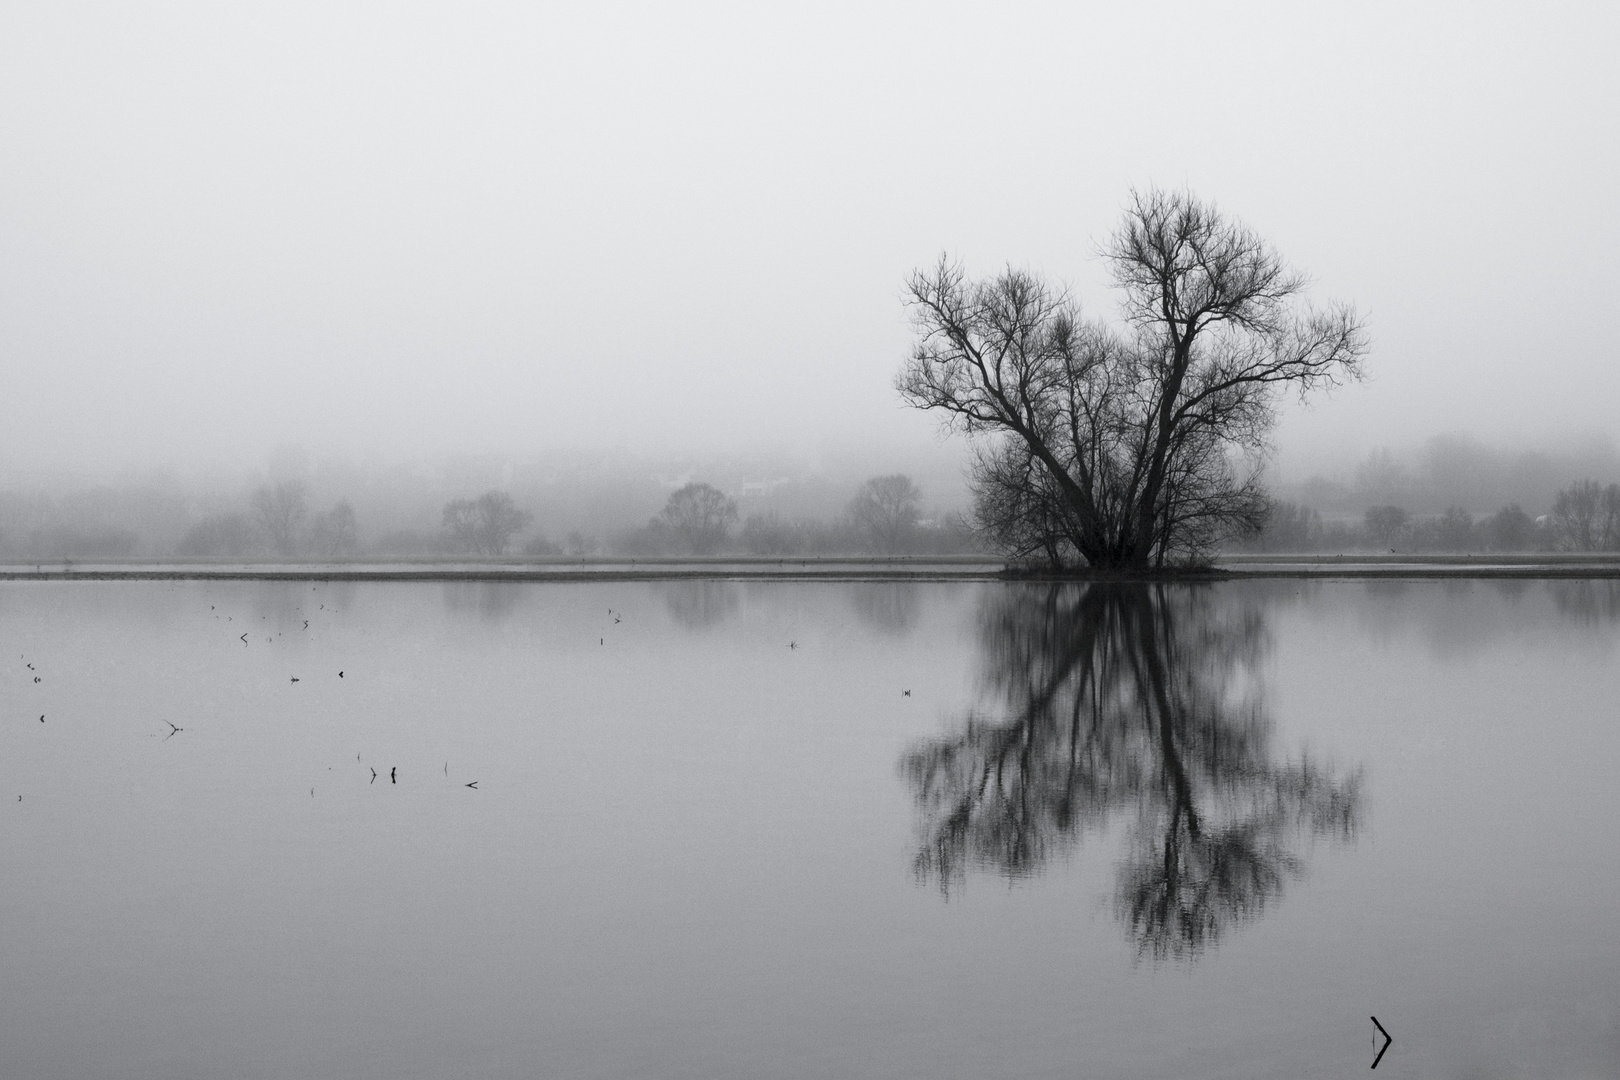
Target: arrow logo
<point>1388,1038</point>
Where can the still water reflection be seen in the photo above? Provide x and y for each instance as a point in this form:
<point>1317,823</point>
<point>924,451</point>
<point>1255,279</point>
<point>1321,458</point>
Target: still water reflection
<point>1135,702</point>
<point>655,830</point>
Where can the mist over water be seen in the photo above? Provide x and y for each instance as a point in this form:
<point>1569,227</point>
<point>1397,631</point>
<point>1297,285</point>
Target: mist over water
<point>436,231</point>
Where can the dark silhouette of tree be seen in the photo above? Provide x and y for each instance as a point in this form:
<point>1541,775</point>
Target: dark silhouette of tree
<point>1134,702</point>
<point>280,511</point>
<point>1118,446</point>
<point>485,525</point>
<point>698,518</point>
<point>885,510</point>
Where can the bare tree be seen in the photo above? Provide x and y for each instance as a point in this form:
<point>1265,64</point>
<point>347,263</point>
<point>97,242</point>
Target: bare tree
<point>1385,523</point>
<point>1586,516</point>
<point>1455,530</point>
<point>768,534</point>
<point>1126,447</point>
<point>885,509</point>
<point>1511,529</point>
<point>699,517</point>
<point>485,525</point>
<point>280,510</point>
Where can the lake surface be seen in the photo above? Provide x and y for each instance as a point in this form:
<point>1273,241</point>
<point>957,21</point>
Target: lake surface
<point>825,829</point>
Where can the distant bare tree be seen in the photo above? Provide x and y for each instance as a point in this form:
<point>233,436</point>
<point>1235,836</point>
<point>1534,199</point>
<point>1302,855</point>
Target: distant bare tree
<point>333,534</point>
<point>698,517</point>
<point>1455,530</point>
<point>1510,529</point>
<point>1385,523</point>
<point>280,510</point>
<point>541,547</point>
<point>1130,439</point>
<point>885,509</point>
<point>1290,527</point>
<point>768,534</point>
<point>485,525</point>
<point>1586,516</point>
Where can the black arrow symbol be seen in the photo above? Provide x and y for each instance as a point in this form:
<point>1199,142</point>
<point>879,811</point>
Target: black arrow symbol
<point>1388,1038</point>
<point>244,639</point>
<point>473,785</point>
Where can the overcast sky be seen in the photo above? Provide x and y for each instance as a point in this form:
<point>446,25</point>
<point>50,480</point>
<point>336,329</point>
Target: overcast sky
<point>400,229</point>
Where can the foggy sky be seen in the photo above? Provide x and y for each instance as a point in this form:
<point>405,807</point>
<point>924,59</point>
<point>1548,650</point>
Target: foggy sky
<point>401,230</point>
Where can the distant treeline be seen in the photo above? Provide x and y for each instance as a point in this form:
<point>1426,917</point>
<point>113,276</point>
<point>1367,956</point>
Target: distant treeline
<point>1454,471</point>
<point>278,520</point>
<point>1436,499</point>
<point>1585,516</point>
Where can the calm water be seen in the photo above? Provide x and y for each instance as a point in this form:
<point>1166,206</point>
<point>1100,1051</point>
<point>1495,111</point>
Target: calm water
<point>809,830</point>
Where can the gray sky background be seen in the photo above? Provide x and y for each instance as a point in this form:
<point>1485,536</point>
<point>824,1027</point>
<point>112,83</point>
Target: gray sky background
<point>399,230</point>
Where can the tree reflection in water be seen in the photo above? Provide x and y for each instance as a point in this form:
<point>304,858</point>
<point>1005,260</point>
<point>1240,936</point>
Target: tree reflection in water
<point>1128,699</point>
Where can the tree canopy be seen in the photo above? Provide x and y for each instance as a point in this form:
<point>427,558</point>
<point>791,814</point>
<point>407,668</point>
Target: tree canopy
<point>699,517</point>
<point>1136,445</point>
<point>885,510</point>
<point>485,525</point>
